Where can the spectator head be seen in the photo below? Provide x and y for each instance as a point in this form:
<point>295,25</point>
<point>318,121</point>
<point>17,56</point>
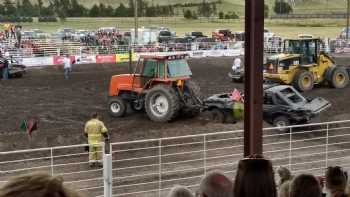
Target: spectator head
<point>94,115</point>
<point>305,185</point>
<point>336,179</point>
<point>284,174</point>
<point>255,178</point>
<point>215,184</point>
<point>36,185</point>
<point>180,191</point>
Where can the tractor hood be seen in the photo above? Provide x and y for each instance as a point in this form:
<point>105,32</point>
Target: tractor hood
<point>120,82</point>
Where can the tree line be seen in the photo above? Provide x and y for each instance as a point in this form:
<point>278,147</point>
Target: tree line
<point>72,8</point>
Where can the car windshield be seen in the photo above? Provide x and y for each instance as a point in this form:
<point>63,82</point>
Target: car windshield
<point>292,96</point>
<point>178,68</point>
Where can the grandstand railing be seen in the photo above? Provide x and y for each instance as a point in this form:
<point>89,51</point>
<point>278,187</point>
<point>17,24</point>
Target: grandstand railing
<point>151,167</point>
<point>70,162</point>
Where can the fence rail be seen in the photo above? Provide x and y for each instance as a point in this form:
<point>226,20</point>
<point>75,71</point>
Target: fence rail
<point>152,167</point>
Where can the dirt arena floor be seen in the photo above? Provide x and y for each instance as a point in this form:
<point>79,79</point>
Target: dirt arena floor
<point>63,106</point>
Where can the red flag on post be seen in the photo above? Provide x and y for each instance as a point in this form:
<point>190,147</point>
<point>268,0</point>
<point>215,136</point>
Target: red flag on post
<point>32,126</point>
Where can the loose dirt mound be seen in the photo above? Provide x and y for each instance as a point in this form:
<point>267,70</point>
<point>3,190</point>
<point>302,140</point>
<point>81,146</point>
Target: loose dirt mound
<point>63,106</point>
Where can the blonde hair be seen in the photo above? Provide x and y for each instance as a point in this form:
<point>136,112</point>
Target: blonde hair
<point>36,185</point>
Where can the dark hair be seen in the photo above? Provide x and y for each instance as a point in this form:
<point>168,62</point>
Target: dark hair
<point>336,178</point>
<point>305,185</point>
<point>38,185</point>
<point>255,178</point>
<point>215,184</point>
<point>180,191</point>
<point>94,115</point>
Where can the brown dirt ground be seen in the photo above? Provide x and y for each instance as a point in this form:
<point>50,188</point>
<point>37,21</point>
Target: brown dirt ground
<point>63,106</point>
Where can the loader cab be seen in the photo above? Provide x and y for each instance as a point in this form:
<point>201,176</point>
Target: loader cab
<point>308,49</point>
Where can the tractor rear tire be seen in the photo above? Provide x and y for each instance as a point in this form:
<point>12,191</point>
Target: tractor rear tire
<point>303,81</point>
<point>116,107</point>
<point>162,103</point>
<point>340,78</point>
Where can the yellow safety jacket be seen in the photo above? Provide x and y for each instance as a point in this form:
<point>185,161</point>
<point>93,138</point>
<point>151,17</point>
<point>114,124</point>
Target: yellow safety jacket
<point>95,128</point>
<point>238,110</point>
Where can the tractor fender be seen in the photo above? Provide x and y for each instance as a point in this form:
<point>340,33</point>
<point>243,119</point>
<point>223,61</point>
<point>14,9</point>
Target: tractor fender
<point>329,72</point>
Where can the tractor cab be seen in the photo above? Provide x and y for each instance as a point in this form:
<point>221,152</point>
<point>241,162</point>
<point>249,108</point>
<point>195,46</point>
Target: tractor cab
<point>152,70</point>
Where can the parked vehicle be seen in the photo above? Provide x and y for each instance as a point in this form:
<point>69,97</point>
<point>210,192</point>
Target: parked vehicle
<point>223,35</point>
<point>205,43</point>
<point>179,44</point>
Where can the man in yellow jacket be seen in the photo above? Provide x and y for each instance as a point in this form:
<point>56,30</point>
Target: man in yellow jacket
<point>95,130</point>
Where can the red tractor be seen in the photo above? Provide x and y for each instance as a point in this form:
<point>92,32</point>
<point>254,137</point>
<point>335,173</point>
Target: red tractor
<point>161,85</point>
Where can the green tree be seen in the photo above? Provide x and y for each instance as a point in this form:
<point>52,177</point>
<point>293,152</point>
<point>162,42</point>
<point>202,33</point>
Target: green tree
<point>121,11</point>
<point>10,9</point>
<point>27,8</point>
<point>221,15</point>
<point>282,7</point>
<point>109,11</point>
<point>94,11</point>
<point>266,11</point>
<point>188,14</point>
<point>131,8</point>
<point>204,9</point>
<point>40,7</point>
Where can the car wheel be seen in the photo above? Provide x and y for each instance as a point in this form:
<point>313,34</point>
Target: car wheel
<point>116,107</point>
<point>281,122</point>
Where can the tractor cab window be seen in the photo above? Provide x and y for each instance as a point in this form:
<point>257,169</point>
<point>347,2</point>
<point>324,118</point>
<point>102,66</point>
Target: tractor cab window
<point>149,68</point>
<point>161,71</point>
<point>178,68</point>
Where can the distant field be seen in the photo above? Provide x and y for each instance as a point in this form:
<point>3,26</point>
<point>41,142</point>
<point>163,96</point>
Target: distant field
<point>305,6</point>
<point>285,28</point>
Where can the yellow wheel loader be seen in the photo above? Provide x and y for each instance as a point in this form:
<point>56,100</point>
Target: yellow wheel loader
<point>302,64</point>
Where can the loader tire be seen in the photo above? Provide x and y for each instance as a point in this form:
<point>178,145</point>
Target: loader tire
<point>162,103</point>
<point>116,106</point>
<point>303,81</point>
<point>339,78</point>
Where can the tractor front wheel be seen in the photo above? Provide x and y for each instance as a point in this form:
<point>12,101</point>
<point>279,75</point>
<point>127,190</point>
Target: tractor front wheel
<point>162,103</point>
<point>340,78</point>
<point>303,81</point>
<point>116,107</point>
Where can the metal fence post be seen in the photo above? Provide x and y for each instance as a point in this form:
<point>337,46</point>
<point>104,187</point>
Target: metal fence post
<point>107,175</point>
<point>160,168</point>
<point>51,162</point>
<point>290,149</point>
<point>205,154</point>
<point>327,141</point>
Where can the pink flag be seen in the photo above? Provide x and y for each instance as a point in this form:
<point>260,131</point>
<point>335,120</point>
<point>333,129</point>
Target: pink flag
<point>236,95</point>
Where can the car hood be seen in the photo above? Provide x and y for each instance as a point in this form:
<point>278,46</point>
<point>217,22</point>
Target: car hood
<point>317,105</point>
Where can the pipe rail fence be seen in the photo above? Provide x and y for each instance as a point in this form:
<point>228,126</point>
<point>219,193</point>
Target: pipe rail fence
<point>152,167</point>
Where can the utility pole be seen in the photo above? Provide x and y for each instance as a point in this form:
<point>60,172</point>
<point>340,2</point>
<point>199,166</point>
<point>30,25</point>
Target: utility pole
<point>253,90</point>
<point>347,20</point>
<point>136,21</point>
